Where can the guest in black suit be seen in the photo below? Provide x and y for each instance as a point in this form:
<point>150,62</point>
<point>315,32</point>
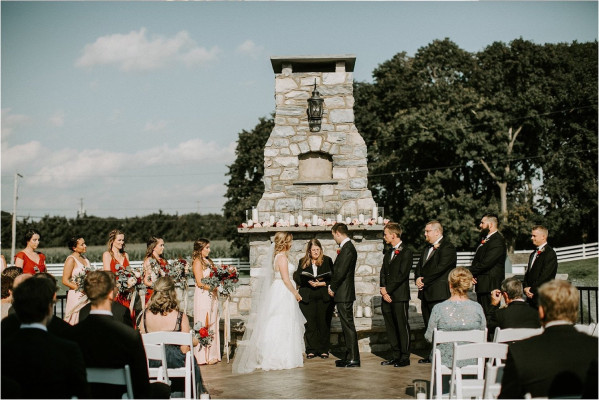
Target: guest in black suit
<point>342,289</point>
<point>43,365</point>
<point>542,264</point>
<point>119,313</point>
<point>315,298</point>
<point>107,343</point>
<point>395,289</point>
<point>488,265</point>
<point>517,314</point>
<point>560,362</point>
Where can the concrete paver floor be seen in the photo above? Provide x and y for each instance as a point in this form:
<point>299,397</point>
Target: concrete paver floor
<point>317,379</point>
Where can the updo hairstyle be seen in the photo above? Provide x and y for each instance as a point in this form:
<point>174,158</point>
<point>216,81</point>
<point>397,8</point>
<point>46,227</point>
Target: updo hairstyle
<point>460,280</point>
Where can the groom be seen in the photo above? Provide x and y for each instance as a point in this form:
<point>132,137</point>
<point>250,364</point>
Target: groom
<point>343,292</point>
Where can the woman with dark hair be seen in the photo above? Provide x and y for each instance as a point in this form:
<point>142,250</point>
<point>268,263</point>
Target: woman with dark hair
<point>205,302</point>
<point>313,278</point>
<point>7,282</point>
<point>30,260</point>
<point>154,251</point>
<point>75,264</point>
<point>163,314</point>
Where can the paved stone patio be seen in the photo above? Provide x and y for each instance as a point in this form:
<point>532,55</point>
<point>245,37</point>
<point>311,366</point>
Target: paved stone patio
<point>317,379</point>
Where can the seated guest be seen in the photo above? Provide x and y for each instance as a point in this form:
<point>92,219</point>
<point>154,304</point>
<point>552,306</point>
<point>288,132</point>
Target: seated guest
<point>107,343</point>
<point>43,365</point>
<point>560,362</point>
<point>458,313</point>
<point>119,313</point>
<point>10,325</point>
<point>7,282</point>
<point>162,314</point>
<point>13,272</point>
<point>517,314</point>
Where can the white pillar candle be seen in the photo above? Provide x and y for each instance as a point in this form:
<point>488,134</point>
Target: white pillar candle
<point>375,212</point>
<point>328,221</point>
<point>291,220</point>
<point>339,218</point>
<point>380,220</point>
<point>254,214</point>
<point>314,219</point>
<point>368,312</point>
<point>361,218</point>
<point>250,223</point>
<point>359,312</point>
<point>272,220</point>
<point>347,220</point>
<point>300,219</point>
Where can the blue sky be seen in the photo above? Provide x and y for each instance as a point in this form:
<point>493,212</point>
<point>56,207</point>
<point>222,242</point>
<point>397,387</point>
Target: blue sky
<point>136,106</point>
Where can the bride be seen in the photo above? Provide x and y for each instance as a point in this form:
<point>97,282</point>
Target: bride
<point>274,331</point>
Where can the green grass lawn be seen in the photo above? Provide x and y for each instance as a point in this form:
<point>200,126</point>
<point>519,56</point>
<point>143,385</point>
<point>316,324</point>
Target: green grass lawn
<point>581,272</point>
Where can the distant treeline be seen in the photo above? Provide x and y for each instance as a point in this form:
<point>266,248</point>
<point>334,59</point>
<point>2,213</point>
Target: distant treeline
<point>56,231</point>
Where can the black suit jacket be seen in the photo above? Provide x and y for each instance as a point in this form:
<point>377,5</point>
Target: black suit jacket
<point>344,269</point>
<point>119,313</point>
<point>518,314</point>
<point>11,324</point>
<point>45,366</point>
<point>552,364</point>
<point>435,270</point>
<point>107,343</point>
<point>488,265</point>
<point>543,270</point>
<point>395,274</point>
<point>305,289</point>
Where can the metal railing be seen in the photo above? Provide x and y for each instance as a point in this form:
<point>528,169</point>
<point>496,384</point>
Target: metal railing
<point>588,306</point>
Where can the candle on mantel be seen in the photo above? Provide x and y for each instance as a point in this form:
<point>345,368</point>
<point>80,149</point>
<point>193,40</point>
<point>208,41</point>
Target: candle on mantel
<point>379,220</point>
<point>254,214</point>
<point>250,223</point>
<point>300,219</point>
<point>314,219</point>
<point>347,220</point>
<point>375,212</point>
<point>339,218</point>
<point>291,220</point>
<point>272,220</point>
<point>328,221</point>
<point>361,218</point>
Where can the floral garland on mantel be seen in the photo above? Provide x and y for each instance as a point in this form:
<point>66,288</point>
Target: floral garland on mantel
<point>319,222</point>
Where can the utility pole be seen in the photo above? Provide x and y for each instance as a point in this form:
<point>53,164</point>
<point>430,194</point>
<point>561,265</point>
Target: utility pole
<point>14,218</point>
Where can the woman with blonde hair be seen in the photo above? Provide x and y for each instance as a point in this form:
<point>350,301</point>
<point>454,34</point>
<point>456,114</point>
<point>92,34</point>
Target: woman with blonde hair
<point>205,301</point>
<point>116,255</point>
<point>162,314</point>
<point>274,335</point>
<point>154,252</point>
<point>458,313</point>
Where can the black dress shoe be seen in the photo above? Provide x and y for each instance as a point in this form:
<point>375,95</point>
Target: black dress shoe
<point>352,364</point>
<point>424,361</point>
<point>340,363</point>
<point>388,362</point>
<point>402,363</point>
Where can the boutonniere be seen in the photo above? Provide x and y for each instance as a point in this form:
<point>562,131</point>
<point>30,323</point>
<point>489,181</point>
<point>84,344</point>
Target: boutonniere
<point>484,241</point>
<point>436,246</point>
<point>540,251</point>
<point>396,251</point>
<point>338,251</point>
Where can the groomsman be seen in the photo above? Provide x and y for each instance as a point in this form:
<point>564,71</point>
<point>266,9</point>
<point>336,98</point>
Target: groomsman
<point>432,270</point>
<point>542,265</point>
<point>395,289</point>
<point>488,265</point>
<point>342,289</point>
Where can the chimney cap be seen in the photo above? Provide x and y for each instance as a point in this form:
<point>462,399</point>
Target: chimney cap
<point>313,63</point>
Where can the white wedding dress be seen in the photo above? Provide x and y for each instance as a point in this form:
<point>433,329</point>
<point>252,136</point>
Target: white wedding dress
<point>274,337</point>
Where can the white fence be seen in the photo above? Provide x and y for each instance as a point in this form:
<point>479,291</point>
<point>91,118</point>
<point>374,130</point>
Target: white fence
<point>572,253</point>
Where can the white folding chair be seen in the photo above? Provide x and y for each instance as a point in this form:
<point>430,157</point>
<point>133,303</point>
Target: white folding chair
<point>588,329</point>
<point>112,376</point>
<point>438,369</point>
<point>466,388</point>
<point>493,375</point>
<point>187,371</point>
<point>157,352</point>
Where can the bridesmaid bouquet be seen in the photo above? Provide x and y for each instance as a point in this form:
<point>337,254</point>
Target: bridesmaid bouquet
<point>179,271</point>
<point>202,333</point>
<point>128,280</point>
<point>223,277</point>
<point>158,270</point>
<point>80,277</point>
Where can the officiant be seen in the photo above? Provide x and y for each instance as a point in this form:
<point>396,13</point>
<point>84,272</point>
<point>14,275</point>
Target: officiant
<point>312,278</point>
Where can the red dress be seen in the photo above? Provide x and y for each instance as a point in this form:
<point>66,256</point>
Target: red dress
<point>29,265</point>
<point>120,297</point>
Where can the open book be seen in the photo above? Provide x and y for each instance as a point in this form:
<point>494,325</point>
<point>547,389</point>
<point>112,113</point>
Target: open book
<point>317,277</point>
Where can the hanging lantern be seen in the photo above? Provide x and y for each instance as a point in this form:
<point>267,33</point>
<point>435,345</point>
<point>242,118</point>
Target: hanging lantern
<point>315,110</point>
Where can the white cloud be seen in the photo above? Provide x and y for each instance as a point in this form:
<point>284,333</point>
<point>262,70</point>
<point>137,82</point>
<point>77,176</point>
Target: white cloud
<point>57,119</point>
<point>250,48</point>
<point>11,121</point>
<point>155,126</point>
<point>136,52</point>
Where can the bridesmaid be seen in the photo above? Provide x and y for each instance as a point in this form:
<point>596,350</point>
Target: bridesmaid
<point>74,265</point>
<point>205,303</point>
<point>116,255</point>
<point>154,251</point>
<point>30,260</point>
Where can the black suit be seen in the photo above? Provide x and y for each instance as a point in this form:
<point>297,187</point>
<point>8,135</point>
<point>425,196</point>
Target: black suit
<point>315,305</point>
<point>10,326</point>
<point>488,267</point>
<point>107,343</point>
<point>44,366</point>
<point>555,363</point>
<point>517,314</point>
<point>395,278</point>
<point>434,272</point>
<point>542,270</point>
<point>342,284</point>
<point>119,313</point>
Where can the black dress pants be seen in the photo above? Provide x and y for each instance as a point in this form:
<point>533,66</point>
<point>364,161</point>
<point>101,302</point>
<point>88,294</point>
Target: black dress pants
<point>317,334</point>
<point>346,317</point>
<point>398,328</point>
<point>427,309</point>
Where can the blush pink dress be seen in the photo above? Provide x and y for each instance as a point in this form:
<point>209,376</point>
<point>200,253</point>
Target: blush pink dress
<point>73,296</point>
<point>204,304</point>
